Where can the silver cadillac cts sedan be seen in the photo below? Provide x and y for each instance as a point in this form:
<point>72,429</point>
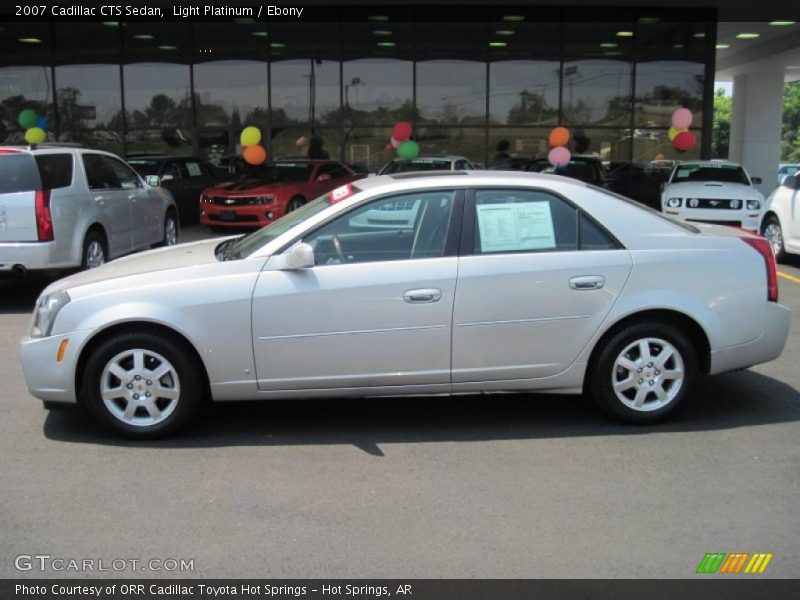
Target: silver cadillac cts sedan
<point>455,282</point>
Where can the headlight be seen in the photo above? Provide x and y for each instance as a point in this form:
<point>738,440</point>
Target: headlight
<point>753,205</point>
<point>262,199</point>
<point>44,315</point>
<point>206,198</point>
<point>735,204</point>
<point>694,203</point>
<point>674,202</point>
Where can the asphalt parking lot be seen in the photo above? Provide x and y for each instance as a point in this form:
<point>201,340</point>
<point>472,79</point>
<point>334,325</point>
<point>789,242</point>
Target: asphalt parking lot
<point>488,486</point>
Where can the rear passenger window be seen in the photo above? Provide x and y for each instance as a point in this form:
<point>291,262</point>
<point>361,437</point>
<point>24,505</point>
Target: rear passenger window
<point>55,170</point>
<point>523,221</point>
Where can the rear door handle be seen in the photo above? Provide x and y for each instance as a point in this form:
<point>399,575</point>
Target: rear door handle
<point>423,296</point>
<point>587,282</point>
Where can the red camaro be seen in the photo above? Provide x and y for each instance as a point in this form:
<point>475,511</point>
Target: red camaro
<point>266,193</point>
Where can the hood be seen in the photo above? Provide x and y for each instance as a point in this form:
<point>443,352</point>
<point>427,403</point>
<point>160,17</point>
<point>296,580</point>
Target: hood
<point>711,189</point>
<point>182,255</point>
<point>248,186</point>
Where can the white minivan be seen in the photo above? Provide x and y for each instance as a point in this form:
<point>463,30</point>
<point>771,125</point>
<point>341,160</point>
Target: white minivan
<point>66,207</point>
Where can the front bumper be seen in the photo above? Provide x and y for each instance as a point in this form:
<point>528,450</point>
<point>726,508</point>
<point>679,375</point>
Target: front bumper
<point>256,215</point>
<point>30,255</point>
<point>749,220</point>
<point>47,378</point>
<point>768,346</point>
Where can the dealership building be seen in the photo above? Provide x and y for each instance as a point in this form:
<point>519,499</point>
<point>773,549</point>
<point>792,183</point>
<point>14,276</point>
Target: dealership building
<point>467,77</point>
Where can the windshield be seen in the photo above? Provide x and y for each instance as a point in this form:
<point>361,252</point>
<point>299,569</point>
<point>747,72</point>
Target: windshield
<point>710,172</point>
<point>247,245</point>
<point>581,170</point>
<point>278,172</point>
<point>406,166</point>
<point>143,166</point>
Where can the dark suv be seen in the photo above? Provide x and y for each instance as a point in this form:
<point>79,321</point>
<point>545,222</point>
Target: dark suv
<point>185,177</point>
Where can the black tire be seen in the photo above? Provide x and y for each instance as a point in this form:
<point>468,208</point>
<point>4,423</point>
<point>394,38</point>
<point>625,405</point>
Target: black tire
<point>170,220</point>
<point>185,381</point>
<point>603,371</point>
<point>295,203</point>
<point>778,247</point>
<point>93,243</point>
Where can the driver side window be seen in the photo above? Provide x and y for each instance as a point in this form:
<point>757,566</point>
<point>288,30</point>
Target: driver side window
<point>402,227</point>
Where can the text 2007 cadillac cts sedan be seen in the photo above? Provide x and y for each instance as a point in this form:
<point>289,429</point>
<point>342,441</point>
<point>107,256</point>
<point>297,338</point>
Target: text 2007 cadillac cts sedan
<point>456,282</point>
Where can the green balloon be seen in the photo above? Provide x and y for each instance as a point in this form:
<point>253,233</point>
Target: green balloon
<point>409,150</point>
<point>27,118</point>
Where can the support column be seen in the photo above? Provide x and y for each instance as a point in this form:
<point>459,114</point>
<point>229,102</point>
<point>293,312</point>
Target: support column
<point>756,117</point>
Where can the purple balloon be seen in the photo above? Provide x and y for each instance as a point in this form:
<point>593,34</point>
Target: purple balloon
<point>559,156</point>
<point>682,118</point>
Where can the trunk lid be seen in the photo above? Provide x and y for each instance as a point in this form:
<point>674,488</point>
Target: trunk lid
<point>19,181</point>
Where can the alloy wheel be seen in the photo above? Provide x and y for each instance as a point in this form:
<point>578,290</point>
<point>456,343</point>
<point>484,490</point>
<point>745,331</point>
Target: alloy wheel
<point>95,255</point>
<point>648,374</point>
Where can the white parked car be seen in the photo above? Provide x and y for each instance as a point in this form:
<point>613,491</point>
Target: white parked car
<point>65,207</point>
<point>787,169</point>
<point>501,282</point>
<point>781,223</point>
<point>713,192</point>
<point>427,163</point>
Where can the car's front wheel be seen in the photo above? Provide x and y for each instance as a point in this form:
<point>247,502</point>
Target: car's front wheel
<point>644,372</point>
<point>295,203</point>
<point>142,385</point>
<point>771,229</point>
<point>170,229</point>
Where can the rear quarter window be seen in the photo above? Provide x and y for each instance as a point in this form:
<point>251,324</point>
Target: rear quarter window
<point>55,170</point>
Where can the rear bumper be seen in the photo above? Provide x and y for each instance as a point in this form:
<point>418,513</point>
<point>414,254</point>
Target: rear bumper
<point>765,348</point>
<point>31,255</point>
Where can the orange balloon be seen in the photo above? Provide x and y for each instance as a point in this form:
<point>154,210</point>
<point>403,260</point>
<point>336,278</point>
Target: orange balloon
<point>559,136</point>
<point>254,155</point>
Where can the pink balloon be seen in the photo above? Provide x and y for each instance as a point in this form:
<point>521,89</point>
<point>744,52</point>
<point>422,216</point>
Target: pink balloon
<point>395,143</point>
<point>682,118</point>
<point>559,156</point>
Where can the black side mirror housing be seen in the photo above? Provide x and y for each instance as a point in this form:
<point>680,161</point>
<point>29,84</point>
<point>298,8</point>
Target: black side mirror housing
<point>791,182</point>
<point>756,180</point>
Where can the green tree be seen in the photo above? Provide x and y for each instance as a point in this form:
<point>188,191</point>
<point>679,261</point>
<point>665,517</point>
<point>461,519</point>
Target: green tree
<point>721,130</point>
<point>790,140</point>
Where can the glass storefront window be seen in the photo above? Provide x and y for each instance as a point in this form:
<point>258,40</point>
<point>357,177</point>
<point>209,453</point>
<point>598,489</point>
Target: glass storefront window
<point>664,86</point>
<point>597,92</point>
<point>451,92</point>
<point>523,92</point>
<point>469,142</point>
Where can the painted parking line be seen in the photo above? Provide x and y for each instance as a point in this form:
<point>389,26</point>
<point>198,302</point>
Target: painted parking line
<point>789,277</point>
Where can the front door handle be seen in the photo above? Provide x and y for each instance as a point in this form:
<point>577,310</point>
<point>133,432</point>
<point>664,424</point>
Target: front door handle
<point>423,296</point>
<point>587,282</point>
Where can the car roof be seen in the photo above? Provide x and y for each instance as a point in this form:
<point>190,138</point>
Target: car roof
<point>708,163</point>
<point>442,157</point>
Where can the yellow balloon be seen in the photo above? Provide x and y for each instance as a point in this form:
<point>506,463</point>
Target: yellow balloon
<point>35,135</point>
<point>673,132</point>
<point>250,136</point>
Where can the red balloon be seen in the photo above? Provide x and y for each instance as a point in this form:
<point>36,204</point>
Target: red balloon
<point>684,141</point>
<point>401,131</point>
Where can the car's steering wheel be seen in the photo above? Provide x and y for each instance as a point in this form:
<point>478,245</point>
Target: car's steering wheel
<point>337,245</point>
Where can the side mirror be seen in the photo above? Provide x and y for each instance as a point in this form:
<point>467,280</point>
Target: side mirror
<point>300,256</point>
<point>152,180</point>
<point>756,180</point>
<point>791,182</point>
<point>167,177</point>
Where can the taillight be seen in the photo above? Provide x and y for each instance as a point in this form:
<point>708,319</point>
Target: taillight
<point>762,246</point>
<point>44,221</point>
<point>8,151</point>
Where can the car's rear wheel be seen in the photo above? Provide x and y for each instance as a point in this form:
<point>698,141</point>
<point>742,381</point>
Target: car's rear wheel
<point>142,385</point>
<point>94,250</point>
<point>295,203</point>
<point>771,229</point>
<point>170,229</point>
<point>644,372</point>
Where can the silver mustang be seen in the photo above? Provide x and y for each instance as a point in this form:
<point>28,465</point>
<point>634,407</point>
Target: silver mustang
<point>457,282</point>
